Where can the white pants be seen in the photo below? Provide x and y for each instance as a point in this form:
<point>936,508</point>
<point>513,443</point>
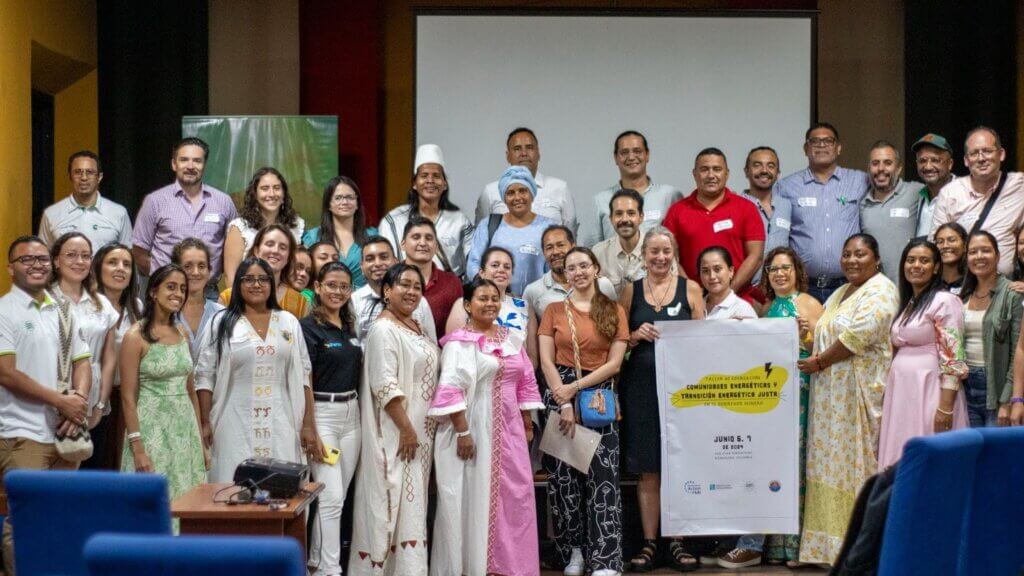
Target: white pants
<point>338,426</point>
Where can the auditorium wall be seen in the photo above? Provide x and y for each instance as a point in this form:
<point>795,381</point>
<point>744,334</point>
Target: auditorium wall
<point>47,45</point>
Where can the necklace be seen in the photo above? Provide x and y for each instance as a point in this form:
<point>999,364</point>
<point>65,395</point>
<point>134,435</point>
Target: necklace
<point>981,297</point>
<point>660,301</point>
<point>413,327</point>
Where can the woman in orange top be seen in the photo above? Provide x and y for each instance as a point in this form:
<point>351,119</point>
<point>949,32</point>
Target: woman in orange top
<point>586,507</point>
<point>276,245</point>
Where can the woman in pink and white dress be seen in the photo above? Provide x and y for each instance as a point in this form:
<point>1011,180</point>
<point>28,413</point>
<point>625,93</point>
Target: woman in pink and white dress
<point>486,519</point>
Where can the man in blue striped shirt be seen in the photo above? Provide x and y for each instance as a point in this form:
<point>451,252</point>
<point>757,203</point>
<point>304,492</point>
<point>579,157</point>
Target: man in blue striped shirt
<point>825,200</point>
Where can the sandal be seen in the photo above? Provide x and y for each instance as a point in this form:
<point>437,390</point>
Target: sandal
<point>682,560</point>
<point>644,559</point>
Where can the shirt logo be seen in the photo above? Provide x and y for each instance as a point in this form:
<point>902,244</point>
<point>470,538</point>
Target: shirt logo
<point>29,325</point>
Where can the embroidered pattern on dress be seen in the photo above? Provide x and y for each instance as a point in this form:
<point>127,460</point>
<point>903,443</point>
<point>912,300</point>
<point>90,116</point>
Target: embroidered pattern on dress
<point>497,425</point>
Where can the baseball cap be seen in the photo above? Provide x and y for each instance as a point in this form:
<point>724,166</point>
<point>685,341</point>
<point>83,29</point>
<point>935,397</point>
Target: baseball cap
<point>935,140</point>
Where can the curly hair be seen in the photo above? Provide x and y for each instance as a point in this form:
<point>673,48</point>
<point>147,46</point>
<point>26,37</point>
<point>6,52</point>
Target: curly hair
<point>798,270</point>
<point>251,213</point>
<point>603,312</point>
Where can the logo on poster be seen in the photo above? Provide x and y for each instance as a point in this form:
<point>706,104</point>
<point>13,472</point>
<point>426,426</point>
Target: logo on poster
<point>774,486</point>
<point>691,487</point>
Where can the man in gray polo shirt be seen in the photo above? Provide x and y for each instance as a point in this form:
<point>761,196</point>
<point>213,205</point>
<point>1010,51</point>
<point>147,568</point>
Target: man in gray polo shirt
<point>631,155</point>
<point>889,210</point>
<point>102,220</point>
<point>762,172</point>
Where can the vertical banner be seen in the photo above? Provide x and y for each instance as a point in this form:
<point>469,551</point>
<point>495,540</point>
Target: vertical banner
<point>303,148</point>
<point>729,399</point>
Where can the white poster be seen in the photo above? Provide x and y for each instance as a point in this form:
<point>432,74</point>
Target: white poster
<point>729,396</point>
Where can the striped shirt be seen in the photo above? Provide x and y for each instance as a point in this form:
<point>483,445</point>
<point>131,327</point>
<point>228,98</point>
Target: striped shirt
<point>168,217</point>
<point>824,216</point>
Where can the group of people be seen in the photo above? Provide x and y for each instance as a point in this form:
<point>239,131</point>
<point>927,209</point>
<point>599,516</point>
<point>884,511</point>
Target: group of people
<point>433,347</point>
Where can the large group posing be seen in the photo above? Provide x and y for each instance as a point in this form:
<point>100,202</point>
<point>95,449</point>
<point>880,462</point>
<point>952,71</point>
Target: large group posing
<point>432,349</point>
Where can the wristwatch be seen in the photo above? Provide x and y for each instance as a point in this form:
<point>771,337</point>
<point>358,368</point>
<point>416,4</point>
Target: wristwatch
<point>102,407</point>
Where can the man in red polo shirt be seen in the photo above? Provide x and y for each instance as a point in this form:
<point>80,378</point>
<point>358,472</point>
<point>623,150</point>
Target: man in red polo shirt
<point>715,216</point>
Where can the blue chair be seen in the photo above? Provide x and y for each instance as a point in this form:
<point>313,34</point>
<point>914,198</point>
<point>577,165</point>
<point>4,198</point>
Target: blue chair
<point>928,503</point>
<point>53,513</point>
<point>993,540</point>
<point>131,555</point>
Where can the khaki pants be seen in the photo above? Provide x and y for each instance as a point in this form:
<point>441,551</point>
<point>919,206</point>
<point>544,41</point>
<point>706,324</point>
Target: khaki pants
<point>18,453</point>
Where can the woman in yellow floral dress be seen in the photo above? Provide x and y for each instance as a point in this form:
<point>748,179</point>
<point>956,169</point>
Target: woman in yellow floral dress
<point>849,366</point>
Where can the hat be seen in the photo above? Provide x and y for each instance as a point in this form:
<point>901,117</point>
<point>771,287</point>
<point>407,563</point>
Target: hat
<point>427,154</point>
<point>935,140</point>
<point>517,175</point>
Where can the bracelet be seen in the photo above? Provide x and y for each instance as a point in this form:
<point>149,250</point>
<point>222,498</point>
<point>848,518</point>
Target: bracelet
<point>566,405</point>
<point>1017,400</point>
<point>941,411</point>
<point>79,394</point>
<point>134,436</point>
<point>462,434</point>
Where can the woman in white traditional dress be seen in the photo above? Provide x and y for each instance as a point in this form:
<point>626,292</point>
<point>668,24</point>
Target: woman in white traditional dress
<point>253,379</point>
<point>399,377</point>
<point>71,255</point>
<point>497,266</point>
<point>486,519</point>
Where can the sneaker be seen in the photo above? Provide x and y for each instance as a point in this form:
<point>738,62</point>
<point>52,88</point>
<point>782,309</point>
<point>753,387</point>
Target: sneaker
<point>708,559</point>
<point>576,566</point>
<point>739,558</point>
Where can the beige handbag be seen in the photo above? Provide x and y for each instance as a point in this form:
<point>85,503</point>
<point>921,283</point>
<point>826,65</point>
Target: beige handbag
<point>78,447</point>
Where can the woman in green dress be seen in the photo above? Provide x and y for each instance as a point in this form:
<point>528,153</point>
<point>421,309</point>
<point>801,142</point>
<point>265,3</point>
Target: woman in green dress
<point>161,410</point>
<point>784,283</point>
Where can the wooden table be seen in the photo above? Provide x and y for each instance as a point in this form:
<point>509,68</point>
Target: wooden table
<point>199,514</point>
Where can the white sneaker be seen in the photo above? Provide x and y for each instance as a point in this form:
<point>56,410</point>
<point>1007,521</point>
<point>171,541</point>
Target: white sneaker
<point>606,572</point>
<point>576,566</point>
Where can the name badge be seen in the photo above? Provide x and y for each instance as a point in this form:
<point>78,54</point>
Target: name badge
<point>674,310</point>
<point>529,249</point>
<point>212,218</point>
<point>783,223</point>
<point>652,214</point>
<point>723,225</point>
<point>807,202</point>
<point>899,213</point>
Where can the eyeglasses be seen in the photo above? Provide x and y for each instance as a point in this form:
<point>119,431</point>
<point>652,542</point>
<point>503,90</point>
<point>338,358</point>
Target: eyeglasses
<point>821,142</point>
<point>79,172</point>
<point>336,287</point>
<point>346,199</point>
<point>579,268</point>
<point>33,260</point>
<point>982,152</point>
<point>255,280</point>
<point>84,256</point>
<point>787,268</point>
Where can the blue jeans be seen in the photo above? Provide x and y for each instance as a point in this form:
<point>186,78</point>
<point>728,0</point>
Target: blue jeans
<point>751,542</point>
<point>976,391</point>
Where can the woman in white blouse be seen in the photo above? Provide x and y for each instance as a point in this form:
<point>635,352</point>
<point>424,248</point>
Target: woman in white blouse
<point>266,202</point>
<point>253,379</point>
<point>72,279</point>
<point>716,272</point>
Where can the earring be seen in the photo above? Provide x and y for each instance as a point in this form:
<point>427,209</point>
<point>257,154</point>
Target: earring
<point>387,300</point>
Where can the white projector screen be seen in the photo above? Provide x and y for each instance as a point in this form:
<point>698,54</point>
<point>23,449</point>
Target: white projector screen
<point>685,82</point>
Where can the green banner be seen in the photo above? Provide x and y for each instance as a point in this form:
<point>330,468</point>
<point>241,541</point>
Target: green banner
<point>303,148</point>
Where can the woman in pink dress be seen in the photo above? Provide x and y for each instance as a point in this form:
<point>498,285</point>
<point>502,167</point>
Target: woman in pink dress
<point>922,392</point>
<point>486,518</point>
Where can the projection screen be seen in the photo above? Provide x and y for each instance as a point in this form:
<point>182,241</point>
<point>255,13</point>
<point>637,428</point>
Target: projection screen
<point>686,82</point>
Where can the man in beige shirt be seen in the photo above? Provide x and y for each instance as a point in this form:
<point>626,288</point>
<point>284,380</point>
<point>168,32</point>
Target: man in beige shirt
<point>963,199</point>
<point>620,256</point>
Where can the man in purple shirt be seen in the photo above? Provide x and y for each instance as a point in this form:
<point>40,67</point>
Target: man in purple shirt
<point>185,208</point>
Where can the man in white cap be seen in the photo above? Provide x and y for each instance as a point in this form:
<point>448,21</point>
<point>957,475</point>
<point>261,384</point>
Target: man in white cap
<point>553,198</point>
<point>428,197</point>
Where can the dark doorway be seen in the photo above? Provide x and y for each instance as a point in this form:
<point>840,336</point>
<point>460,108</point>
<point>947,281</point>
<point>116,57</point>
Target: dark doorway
<point>42,155</point>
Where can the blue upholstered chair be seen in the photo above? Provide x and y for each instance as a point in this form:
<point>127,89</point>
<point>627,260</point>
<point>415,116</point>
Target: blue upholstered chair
<point>124,555</point>
<point>928,504</point>
<point>53,513</point>
<point>993,541</point>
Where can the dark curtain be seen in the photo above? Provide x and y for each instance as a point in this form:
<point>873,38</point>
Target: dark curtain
<point>153,66</point>
<point>42,154</point>
<point>961,71</point>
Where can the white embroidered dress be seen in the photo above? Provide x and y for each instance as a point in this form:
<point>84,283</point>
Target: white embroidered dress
<point>258,392</point>
<point>390,533</point>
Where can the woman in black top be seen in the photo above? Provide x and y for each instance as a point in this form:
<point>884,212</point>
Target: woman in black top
<point>337,362</point>
<point>662,295</point>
